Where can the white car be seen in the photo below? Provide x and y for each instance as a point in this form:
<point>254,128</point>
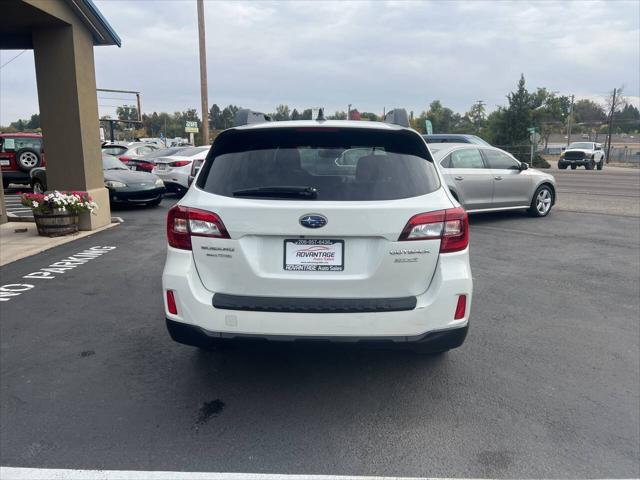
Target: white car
<point>174,170</point>
<point>278,238</point>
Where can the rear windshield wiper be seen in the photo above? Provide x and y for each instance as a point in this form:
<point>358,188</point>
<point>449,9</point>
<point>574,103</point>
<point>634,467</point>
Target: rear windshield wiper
<point>279,191</point>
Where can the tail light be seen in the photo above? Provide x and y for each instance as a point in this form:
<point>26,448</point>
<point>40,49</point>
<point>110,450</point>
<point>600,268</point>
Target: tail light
<point>180,163</point>
<point>183,223</point>
<point>451,226</point>
<point>171,303</point>
<point>124,158</point>
<point>461,307</point>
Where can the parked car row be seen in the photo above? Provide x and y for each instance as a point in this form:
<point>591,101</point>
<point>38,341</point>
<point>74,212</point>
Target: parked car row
<point>124,185</point>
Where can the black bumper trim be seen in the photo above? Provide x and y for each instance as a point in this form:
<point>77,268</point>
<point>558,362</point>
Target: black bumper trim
<point>312,305</point>
<point>436,341</point>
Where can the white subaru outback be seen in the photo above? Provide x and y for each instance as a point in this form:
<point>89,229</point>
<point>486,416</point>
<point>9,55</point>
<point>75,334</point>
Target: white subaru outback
<point>307,230</point>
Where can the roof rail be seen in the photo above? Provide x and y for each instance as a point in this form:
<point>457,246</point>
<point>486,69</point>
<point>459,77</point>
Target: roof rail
<point>245,116</point>
<point>397,116</point>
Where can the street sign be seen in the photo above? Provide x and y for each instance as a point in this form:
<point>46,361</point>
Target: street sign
<point>428,127</point>
<point>191,127</point>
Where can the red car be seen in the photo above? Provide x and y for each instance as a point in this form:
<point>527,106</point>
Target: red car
<point>19,153</point>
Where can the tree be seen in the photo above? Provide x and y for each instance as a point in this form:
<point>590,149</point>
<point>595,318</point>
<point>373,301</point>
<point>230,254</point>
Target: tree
<point>628,119</point>
<point>19,125</point>
<point>306,114</point>
<point>127,112</point>
<point>281,114</point>
<point>215,117</point>
<point>369,116</point>
<point>518,115</point>
<point>549,112</point>
<point>588,112</point>
<point>295,115</point>
<point>342,115</point>
<point>34,122</point>
<point>228,116</point>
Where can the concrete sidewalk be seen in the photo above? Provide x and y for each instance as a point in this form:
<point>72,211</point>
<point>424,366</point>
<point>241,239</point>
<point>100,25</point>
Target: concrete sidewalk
<point>20,239</point>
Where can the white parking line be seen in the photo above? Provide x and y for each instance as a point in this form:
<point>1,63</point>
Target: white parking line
<point>13,473</point>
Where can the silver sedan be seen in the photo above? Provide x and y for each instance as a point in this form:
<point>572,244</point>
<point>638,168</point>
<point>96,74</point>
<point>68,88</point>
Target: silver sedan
<point>486,179</point>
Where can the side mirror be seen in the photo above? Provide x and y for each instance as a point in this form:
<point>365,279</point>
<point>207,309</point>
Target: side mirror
<point>523,166</point>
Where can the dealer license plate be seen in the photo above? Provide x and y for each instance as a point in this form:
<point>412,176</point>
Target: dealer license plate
<point>5,162</point>
<point>314,255</point>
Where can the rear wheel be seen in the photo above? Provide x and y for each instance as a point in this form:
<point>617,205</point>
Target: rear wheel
<point>601,164</point>
<point>562,167</point>
<point>541,202</point>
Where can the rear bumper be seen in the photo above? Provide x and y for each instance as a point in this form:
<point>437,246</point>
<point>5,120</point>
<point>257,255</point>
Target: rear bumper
<point>434,309</point>
<point>14,176</point>
<point>173,180</point>
<point>435,340</point>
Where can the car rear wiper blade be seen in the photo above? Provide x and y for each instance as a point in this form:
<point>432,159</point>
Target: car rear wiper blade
<point>278,191</point>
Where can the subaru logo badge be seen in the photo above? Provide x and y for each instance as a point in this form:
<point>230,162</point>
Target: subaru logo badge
<point>313,220</point>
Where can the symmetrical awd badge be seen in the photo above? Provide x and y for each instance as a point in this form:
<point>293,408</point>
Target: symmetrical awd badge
<point>313,220</point>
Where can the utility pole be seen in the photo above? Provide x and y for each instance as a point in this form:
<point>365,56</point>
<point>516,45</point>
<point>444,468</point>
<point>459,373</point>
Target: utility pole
<point>203,74</point>
<point>569,122</point>
<point>613,109</point>
<point>349,112</point>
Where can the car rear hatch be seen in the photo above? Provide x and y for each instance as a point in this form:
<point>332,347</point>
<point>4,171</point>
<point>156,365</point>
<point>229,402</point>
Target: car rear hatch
<point>302,219</point>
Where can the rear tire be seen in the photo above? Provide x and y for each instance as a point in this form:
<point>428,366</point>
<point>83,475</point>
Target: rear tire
<point>541,202</point>
<point>562,167</point>
<point>601,164</point>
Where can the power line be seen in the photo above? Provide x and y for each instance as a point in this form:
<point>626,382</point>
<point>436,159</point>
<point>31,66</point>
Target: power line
<point>8,62</point>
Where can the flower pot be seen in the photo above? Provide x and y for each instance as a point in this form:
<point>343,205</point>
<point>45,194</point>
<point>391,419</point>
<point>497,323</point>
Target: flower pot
<point>56,224</point>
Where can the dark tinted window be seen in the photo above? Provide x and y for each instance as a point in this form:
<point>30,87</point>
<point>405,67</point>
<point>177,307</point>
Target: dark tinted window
<point>466,158</point>
<point>340,164</point>
<point>114,149</point>
<point>500,160</point>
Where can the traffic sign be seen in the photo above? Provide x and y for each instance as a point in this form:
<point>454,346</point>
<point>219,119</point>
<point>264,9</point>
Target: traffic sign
<point>191,127</point>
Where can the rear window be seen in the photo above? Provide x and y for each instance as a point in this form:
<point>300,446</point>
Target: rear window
<point>335,164</point>
<point>190,152</point>
<point>114,150</point>
<point>12,144</point>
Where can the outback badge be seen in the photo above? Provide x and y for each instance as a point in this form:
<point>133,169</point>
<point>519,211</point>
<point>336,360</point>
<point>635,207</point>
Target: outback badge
<point>313,220</point>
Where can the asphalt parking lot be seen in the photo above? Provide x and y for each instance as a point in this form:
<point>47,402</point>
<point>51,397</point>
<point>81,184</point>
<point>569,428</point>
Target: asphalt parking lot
<point>547,384</point>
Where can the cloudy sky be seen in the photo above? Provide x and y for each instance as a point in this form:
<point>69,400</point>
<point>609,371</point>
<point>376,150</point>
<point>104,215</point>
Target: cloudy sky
<point>371,54</point>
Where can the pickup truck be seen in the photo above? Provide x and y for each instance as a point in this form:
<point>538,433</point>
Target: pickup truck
<point>584,154</point>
